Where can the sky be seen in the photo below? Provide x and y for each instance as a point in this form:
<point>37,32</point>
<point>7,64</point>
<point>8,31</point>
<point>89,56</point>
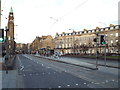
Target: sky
<point>47,17</point>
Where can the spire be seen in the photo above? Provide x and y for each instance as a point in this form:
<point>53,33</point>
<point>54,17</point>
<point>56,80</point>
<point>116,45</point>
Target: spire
<point>11,10</point>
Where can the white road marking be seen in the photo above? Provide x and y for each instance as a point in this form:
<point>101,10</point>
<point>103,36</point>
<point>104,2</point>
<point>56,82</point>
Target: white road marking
<point>85,83</point>
<point>22,67</point>
<point>27,57</point>
<point>96,83</point>
<point>113,80</point>
<point>76,84</point>
<point>106,81</point>
<point>68,85</point>
<point>24,75</point>
<point>59,86</point>
<point>50,88</point>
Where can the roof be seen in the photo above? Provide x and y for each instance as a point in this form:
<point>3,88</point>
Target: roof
<point>11,10</point>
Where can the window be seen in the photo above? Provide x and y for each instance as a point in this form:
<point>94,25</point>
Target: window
<point>116,34</point>
<point>111,28</point>
<point>93,31</point>
<point>116,40</point>
<point>106,28</point>
<point>111,41</point>
<point>116,27</point>
<point>102,29</point>
<point>111,34</point>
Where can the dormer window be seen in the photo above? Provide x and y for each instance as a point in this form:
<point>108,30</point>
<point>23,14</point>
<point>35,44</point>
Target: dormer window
<point>116,27</point>
<point>111,28</point>
<point>106,28</point>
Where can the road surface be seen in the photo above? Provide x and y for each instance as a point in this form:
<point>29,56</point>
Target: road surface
<point>37,72</point>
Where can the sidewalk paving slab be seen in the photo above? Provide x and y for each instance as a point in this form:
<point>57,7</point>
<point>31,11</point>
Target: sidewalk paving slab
<point>9,80</point>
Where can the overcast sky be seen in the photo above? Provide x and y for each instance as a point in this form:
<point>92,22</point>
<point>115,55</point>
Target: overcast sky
<point>47,17</point>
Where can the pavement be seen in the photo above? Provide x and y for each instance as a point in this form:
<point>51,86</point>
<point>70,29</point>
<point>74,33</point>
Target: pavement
<point>82,62</point>
<point>9,80</point>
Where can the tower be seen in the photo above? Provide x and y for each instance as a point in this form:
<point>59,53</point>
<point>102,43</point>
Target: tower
<point>10,33</point>
<point>11,25</point>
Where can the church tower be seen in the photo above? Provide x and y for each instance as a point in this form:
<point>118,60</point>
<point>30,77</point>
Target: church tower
<point>11,25</point>
<point>10,32</point>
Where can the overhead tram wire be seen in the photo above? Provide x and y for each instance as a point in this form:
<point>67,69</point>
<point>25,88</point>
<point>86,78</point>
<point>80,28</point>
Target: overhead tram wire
<point>4,4</point>
<point>70,12</point>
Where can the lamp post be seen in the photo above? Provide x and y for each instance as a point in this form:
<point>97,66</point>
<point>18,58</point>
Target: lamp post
<point>7,51</point>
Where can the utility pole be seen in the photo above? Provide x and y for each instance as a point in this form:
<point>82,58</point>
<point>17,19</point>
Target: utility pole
<point>0,14</point>
<point>105,50</point>
<point>96,50</point>
<point>7,53</point>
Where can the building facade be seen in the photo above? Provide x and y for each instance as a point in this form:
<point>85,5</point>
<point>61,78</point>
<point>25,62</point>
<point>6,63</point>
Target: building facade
<point>82,42</point>
<point>45,42</point>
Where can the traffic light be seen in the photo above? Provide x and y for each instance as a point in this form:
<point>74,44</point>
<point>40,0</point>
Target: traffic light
<point>1,35</point>
<point>102,39</point>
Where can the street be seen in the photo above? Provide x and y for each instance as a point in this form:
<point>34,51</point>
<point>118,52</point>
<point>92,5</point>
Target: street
<point>37,72</point>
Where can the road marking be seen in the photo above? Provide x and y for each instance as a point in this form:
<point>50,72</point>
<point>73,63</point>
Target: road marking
<point>96,83</point>
<point>85,83</point>
<point>68,85</point>
<point>106,80</point>
<point>22,67</point>
<point>27,57</point>
<point>113,80</point>
<point>59,86</point>
<point>50,88</point>
<point>48,67</point>
<point>24,75</point>
<point>19,60</point>
<point>76,84</point>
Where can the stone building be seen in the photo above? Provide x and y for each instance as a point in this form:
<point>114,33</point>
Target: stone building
<point>21,48</point>
<point>46,42</point>
<point>81,42</point>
